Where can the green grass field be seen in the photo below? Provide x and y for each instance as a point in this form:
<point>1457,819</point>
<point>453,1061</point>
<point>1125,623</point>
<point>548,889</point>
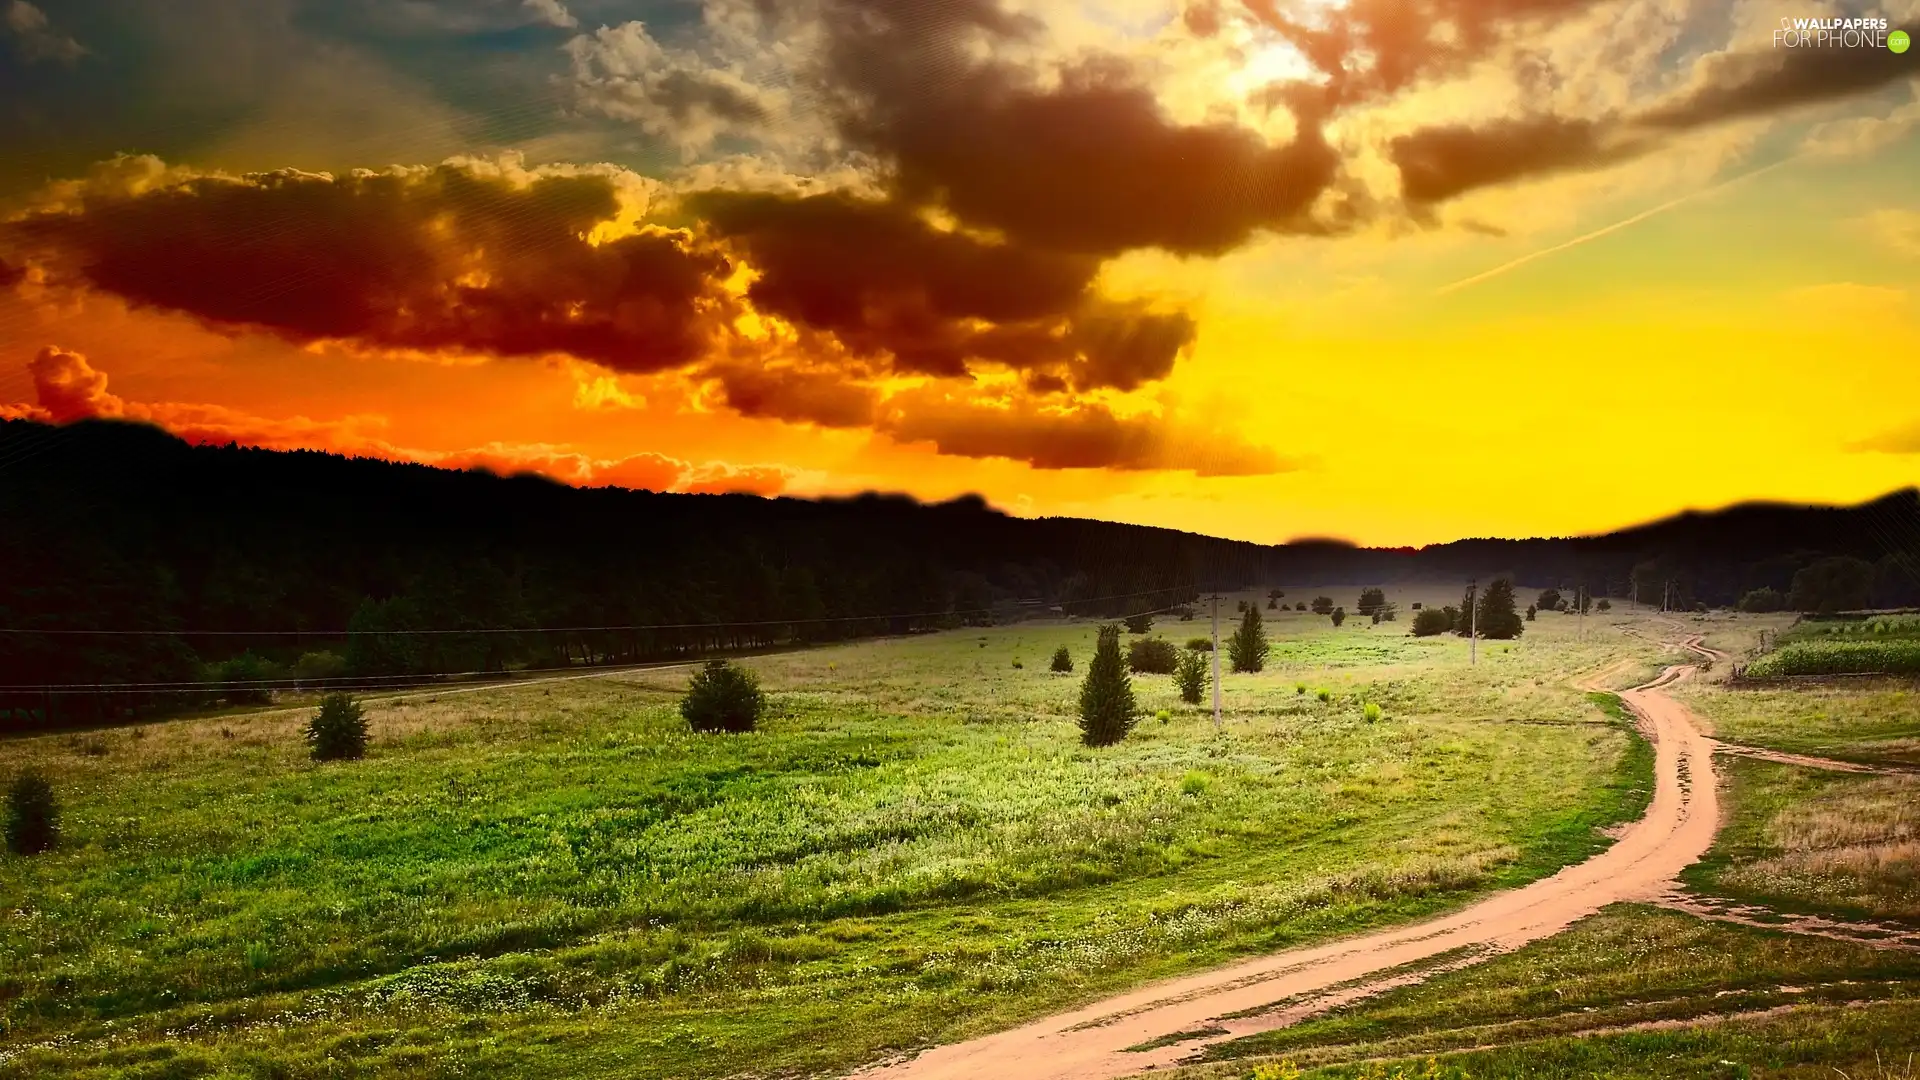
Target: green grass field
<point>1853,722</point>
<point>561,880</point>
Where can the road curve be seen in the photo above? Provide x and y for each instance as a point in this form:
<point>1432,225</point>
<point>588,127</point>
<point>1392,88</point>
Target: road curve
<point>1090,1043</point>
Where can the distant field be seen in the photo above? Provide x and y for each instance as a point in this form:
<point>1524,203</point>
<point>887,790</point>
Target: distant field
<point>1854,721</point>
<point>561,881</point>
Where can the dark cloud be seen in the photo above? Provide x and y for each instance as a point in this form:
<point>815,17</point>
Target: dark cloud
<point>823,398</point>
<point>1439,163</point>
<point>886,283</point>
<point>1091,165</point>
<point>1089,437</point>
<point>1732,85</point>
<point>441,259</point>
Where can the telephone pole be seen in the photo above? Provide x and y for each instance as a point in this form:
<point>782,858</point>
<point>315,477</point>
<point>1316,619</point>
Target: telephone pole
<point>1473,623</point>
<point>1216,660</point>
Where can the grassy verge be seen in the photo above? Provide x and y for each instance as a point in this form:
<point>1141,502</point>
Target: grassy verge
<point>542,881</point>
<point>1811,841</point>
<point>1628,965</point>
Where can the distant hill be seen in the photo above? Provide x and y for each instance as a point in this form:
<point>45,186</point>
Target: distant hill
<point>195,554</point>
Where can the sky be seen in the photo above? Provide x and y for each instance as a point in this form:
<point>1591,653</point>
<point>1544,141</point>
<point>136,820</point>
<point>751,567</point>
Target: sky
<point>1393,271</point>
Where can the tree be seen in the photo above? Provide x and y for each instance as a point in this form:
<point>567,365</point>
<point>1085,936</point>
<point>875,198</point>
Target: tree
<point>1152,656</point>
<point>33,818</point>
<point>1274,594</point>
<point>1339,615</point>
<point>1603,605</point>
<point>1531,612</point>
<point>1062,659</point>
<point>1431,621</point>
<point>1248,647</point>
<point>1107,709</point>
<point>338,732</point>
<point>1139,624</point>
<point>1497,618</point>
<point>1273,605</point>
<point>1371,600</point>
<point>1549,600</point>
<point>1582,599</point>
<point>1385,612</point>
<point>1191,675</point>
<point>242,676</point>
<point>1453,618</point>
<point>1838,583</point>
<point>1323,605</point>
<point>1762,601</point>
<point>1301,606</point>
<point>723,697</point>
<point>1463,619</point>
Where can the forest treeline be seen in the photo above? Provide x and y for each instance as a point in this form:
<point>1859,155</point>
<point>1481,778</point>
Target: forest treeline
<point>163,574</point>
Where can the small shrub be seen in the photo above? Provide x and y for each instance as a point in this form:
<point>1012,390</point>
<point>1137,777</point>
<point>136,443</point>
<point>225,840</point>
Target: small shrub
<point>1301,606</point>
<point>1200,644</point>
<point>1372,712</point>
<point>1240,608</point>
<point>1163,716</point>
<point>1323,605</point>
<point>1604,605</point>
<point>1191,676</point>
<point>1323,694</point>
<point>1139,624</point>
<point>1300,688</point>
<point>1273,605</point>
<point>33,818</point>
<point>723,697</point>
<point>1062,659</point>
<point>1017,665</point>
<point>338,732</point>
<point>1532,613</point>
<point>1195,783</point>
<point>1281,1070</point>
<point>1152,656</point>
<point>1339,615</point>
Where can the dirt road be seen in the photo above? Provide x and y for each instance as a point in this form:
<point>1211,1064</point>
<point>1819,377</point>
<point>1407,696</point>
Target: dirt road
<point>1090,1043</point>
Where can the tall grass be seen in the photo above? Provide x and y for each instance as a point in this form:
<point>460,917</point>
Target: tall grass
<point>1840,656</point>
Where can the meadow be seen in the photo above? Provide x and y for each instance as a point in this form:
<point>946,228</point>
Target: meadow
<point>1862,721</point>
<point>562,880</point>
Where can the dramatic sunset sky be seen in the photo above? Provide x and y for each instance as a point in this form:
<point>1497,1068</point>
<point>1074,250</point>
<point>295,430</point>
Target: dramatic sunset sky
<point>1398,272</point>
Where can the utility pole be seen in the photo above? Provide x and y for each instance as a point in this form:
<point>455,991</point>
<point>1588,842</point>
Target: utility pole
<point>1216,660</point>
<point>1473,624</point>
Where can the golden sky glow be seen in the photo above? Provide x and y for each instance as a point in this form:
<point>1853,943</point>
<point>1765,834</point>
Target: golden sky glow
<point>1493,278</point>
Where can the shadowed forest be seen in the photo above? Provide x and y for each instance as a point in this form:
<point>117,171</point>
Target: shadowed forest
<point>138,564</point>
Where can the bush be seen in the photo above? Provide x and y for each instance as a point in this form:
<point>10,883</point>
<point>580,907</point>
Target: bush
<point>1339,615</point>
<point>1018,665</point>
<point>1248,648</point>
<point>1107,710</point>
<point>1163,716</point>
<point>1301,606</point>
<point>723,697</point>
<point>1549,600</point>
<point>33,818</point>
<point>1300,688</point>
<point>1323,605</point>
<point>1431,622</point>
<point>240,675</point>
<point>1323,694</point>
<point>1371,600</point>
<point>1152,656</point>
<point>1062,659</point>
<point>1139,624</point>
<point>1604,605</point>
<point>319,666</point>
<point>1200,644</point>
<point>1532,615</point>
<point>338,732</point>
<point>1194,783</point>
<point>1371,712</point>
<point>1275,594</point>
<point>1240,608</point>
<point>1760,602</point>
<point>1273,605</point>
<point>1191,676</point>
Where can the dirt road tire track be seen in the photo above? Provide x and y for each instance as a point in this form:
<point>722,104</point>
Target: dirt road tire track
<point>1090,1043</point>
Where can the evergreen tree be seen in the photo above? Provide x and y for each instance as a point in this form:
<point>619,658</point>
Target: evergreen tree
<point>1549,600</point>
<point>723,697</point>
<point>338,731</point>
<point>1498,619</point>
<point>1107,710</point>
<point>1191,676</point>
<point>1248,646</point>
<point>1531,613</point>
<point>1062,659</point>
<point>1463,618</point>
<point>1371,600</point>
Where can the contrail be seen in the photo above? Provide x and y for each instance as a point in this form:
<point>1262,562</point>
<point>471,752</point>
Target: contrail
<point>1605,229</point>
